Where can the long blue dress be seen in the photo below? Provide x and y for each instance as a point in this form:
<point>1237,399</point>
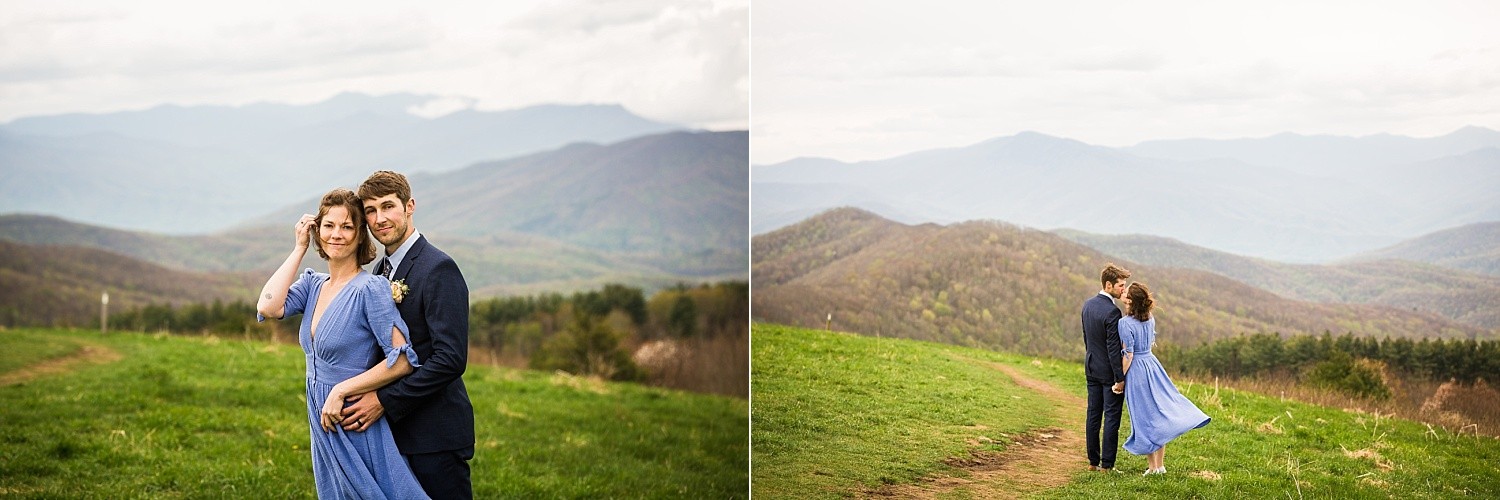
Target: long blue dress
<point>1158,413</point>
<point>353,334</point>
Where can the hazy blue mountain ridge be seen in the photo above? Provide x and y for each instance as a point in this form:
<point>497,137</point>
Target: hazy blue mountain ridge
<point>649,212</point>
<point>1474,248</point>
<point>199,169</point>
<point>1323,154</point>
<point>1281,212</point>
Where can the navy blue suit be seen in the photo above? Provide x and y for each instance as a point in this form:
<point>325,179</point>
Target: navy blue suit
<point>429,410</point>
<point>1102,367</point>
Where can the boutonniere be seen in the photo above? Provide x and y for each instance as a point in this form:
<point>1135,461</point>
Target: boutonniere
<point>398,290</point>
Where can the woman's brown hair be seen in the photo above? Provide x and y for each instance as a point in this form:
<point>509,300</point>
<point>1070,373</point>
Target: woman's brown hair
<point>364,252</point>
<point>1140,301</point>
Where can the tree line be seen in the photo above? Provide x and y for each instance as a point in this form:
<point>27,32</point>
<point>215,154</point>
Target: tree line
<point>590,333</point>
<point>1348,363</point>
<point>218,317</point>
<point>594,332</point>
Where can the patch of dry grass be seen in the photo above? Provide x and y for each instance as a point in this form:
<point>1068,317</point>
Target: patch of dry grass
<point>1460,408</point>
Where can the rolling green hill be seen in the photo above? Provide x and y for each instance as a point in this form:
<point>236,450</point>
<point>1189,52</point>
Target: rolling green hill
<point>179,417</point>
<point>61,285</point>
<point>1000,286</point>
<point>838,415</point>
<point>1405,284</point>
<point>232,251</point>
<point>649,212</point>
<point>675,204</point>
<point>1473,247</point>
<point>506,263</point>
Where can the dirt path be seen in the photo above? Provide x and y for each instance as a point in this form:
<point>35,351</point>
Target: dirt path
<point>89,353</point>
<point>1035,461</point>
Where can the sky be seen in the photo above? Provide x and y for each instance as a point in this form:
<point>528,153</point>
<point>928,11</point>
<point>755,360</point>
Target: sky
<point>679,61</point>
<point>862,79</point>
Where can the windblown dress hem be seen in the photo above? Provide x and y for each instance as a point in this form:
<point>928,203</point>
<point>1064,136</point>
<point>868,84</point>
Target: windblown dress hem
<point>1158,412</point>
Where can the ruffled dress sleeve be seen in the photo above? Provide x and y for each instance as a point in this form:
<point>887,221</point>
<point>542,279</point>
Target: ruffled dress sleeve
<point>296,296</point>
<point>382,315</point>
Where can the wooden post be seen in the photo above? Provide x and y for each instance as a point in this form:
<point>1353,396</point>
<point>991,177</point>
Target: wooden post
<point>104,313</point>
<point>828,325</point>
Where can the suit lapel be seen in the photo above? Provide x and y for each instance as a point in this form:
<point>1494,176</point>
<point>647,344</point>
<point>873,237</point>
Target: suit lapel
<point>411,258</point>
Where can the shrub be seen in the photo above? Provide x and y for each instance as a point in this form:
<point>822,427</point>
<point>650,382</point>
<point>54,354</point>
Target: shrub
<point>1342,373</point>
<point>588,346</point>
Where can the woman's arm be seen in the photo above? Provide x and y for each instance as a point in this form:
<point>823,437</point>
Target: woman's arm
<point>374,378</point>
<point>1127,340</point>
<point>272,302</point>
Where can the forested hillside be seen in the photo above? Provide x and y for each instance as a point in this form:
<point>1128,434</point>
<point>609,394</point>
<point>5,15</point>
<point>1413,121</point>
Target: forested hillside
<point>46,285</point>
<point>997,285</point>
<point>1458,295</point>
<point>1473,247</point>
<point>648,212</point>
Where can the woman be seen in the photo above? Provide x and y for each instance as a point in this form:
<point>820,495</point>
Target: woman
<point>1158,413</point>
<point>350,323</point>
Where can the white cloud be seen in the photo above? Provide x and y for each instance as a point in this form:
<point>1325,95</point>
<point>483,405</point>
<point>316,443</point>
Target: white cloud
<point>441,106</point>
<point>671,60</point>
<point>864,79</point>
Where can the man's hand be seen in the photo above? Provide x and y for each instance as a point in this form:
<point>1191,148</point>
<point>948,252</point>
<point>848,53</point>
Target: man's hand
<point>365,411</point>
<point>1119,388</point>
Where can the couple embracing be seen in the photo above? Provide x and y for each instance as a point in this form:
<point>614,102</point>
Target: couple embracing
<point>385,352</point>
<point>1120,368</point>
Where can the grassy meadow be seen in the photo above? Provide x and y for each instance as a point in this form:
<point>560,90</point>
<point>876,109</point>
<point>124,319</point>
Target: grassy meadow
<point>837,414</point>
<point>194,417</point>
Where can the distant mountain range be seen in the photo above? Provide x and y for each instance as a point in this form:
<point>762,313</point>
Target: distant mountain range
<point>1474,248</point>
<point>200,169</point>
<point>1288,197</point>
<point>1326,155</point>
<point>997,285</point>
<point>1455,294</point>
<point>648,212</point>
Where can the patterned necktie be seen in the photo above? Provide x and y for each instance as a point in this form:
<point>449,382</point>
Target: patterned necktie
<point>385,268</point>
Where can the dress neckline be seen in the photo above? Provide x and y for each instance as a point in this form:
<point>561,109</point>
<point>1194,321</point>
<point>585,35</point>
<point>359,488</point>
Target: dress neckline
<point>313,317</point>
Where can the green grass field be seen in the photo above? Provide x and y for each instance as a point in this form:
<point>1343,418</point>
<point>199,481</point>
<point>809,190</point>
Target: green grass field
<point>836,414</point>
<point>188,417</point>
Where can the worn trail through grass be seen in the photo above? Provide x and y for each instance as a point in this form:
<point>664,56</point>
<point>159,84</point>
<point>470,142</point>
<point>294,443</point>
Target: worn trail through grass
<point>86,354</point>
<point>1034,461</point>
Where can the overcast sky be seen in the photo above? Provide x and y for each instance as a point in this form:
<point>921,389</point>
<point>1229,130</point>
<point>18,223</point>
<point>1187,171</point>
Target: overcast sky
<point>681,61</point>
<point>859,79</point>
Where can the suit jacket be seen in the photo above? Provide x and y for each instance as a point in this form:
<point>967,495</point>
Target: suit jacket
<point>429,409</point>
<point>1101,341</point>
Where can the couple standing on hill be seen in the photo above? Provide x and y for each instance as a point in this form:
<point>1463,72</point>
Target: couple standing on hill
<point>385,352</point>
<point>1119,367</point>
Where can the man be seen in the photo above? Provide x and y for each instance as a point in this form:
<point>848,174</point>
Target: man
<point>1103,369</point>
<point>429,410</point>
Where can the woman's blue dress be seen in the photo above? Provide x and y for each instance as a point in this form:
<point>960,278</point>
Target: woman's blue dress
<point>1158,413</point>
<point>353,334</point>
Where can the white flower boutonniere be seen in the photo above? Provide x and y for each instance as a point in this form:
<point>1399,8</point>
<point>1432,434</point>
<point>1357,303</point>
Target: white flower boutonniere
<point>398,290</point>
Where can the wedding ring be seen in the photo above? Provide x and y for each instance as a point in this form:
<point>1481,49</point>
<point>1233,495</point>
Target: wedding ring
<point>360,421</point>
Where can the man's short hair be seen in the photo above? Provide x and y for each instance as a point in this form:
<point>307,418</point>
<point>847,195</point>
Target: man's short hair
<point>383,183</point>
<point>1109,276</point>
